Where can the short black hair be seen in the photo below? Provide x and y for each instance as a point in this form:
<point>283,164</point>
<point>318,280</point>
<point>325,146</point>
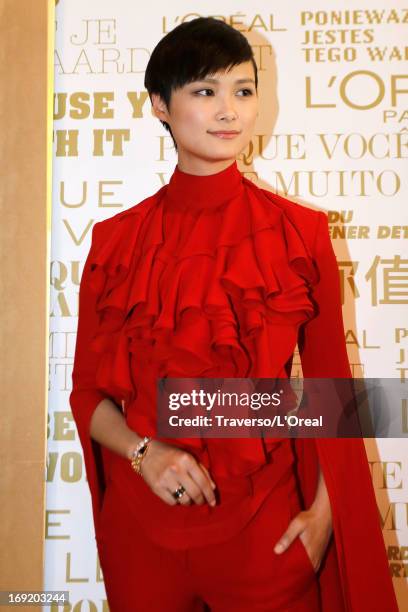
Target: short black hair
<point>190,52</point>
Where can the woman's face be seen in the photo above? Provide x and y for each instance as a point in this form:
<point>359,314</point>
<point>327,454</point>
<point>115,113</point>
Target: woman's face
<point>222,102</point>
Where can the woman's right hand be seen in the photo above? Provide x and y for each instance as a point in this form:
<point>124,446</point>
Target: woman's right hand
<point>165,467</point>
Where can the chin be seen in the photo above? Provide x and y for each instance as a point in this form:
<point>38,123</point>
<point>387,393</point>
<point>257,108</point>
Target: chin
<point>218,156</point>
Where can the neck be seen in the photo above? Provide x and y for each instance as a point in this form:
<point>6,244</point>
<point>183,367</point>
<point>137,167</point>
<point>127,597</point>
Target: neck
<point>194,191</point>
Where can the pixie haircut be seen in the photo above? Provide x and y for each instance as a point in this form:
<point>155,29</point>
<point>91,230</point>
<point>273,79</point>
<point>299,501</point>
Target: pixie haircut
<point>192,51</point>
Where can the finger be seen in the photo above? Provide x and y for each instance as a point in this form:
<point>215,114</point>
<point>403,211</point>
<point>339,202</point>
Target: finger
<point>192,490</point>
<point>185,499</point>
<point>208,475</point>
<point>293,530</point>
<point>203,483</point>
<point>167,497</point>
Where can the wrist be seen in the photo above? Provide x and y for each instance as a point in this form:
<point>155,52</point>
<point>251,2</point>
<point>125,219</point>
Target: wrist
<point>139,453</point>
<point>322,511</point>
<point>131,447</point>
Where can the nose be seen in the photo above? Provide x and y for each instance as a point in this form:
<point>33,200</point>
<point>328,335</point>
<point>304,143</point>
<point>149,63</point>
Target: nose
<point>227,110</point>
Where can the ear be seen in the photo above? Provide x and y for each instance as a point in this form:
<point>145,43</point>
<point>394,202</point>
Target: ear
<point>159,108</point>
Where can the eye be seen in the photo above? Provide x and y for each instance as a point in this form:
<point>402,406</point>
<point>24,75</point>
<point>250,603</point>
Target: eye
<point>200,90</point>
<point>250,92</point>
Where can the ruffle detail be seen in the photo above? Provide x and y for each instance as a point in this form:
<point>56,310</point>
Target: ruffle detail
<point>200,295</point>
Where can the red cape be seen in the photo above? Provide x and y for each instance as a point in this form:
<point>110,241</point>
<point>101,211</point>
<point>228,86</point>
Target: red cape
<point>347,582</point>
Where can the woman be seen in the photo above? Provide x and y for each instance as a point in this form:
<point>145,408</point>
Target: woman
<point>212,277</point>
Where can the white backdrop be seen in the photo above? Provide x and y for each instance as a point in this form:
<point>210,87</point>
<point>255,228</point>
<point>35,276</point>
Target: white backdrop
<point>331,134</point>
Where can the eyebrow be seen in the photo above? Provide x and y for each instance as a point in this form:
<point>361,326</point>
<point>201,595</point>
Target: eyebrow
<point>211,80</point>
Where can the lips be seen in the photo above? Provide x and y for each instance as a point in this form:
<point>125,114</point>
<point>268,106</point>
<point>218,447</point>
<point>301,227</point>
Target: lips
<point>225,134</point>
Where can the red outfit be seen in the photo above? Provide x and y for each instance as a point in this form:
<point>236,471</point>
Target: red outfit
<point>214,277</point>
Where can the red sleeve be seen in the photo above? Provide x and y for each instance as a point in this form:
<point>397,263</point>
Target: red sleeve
<point>84,396</point>
<point>343,461</point>
<point>321,340</point>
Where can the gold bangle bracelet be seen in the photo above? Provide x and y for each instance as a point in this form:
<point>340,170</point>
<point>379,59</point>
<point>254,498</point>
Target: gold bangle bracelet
<point>138,456</point>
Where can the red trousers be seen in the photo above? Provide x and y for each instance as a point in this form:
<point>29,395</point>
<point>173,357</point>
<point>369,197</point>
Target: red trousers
<point>242,574</point>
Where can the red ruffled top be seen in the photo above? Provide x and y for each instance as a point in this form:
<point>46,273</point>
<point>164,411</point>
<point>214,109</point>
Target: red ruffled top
<point>211,281</point>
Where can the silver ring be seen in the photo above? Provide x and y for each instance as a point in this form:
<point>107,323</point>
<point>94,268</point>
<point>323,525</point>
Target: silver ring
<point>179,492</point>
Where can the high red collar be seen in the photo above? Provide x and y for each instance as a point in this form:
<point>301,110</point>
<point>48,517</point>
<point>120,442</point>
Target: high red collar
<point>186,190</point>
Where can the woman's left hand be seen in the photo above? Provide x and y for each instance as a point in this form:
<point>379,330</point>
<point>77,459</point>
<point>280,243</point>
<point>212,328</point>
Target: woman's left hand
<point>314,527</point>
